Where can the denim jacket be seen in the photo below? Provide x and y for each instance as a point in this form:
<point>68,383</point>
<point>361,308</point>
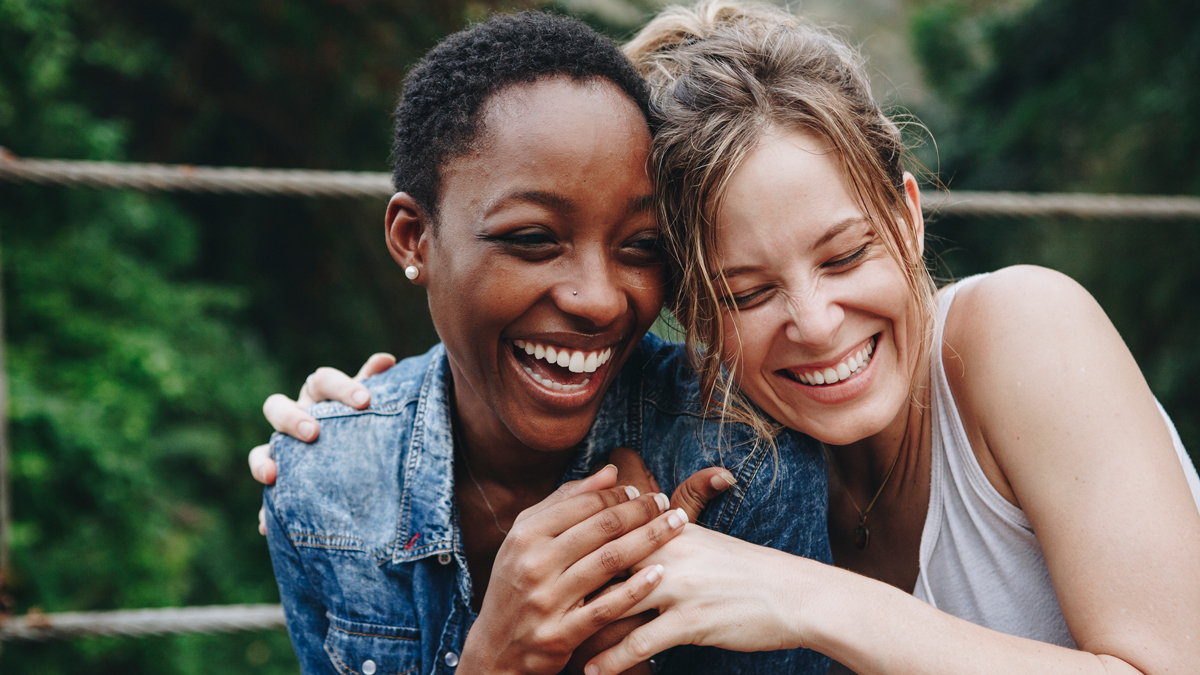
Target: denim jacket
<point>363,531</point>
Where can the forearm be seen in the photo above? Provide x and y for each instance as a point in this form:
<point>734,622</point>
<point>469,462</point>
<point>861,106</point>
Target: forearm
<point>876,629</point>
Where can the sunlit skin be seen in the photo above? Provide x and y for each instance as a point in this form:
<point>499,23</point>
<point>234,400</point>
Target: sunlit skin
<point>545,231</point>
<point>1058,416</point>
<point>810,282</point>
<point>807,287</point>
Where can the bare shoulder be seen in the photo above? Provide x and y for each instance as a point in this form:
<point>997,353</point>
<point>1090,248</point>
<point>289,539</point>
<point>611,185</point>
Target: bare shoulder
<point>1019,300</point>
<point>1020,315</point>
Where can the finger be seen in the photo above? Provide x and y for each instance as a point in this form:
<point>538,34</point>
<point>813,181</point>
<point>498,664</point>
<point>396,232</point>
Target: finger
<point>640,645</point>
<point>596,568</point>
<point>331,384</point>
<point>289,418</point>
<point>262,465</point>
<point>375,365</point>
<point>633,471</point>
<point>589,534</point>
<point>262,521</point>
<point>586,620</point>
<point>605,478</point>
<point>693,494</point>
<point>557,519</point>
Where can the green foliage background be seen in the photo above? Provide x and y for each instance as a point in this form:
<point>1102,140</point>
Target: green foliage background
<point>143,332</point>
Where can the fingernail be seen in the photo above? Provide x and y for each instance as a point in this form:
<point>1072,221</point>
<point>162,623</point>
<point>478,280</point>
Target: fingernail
<point>723,480</point>
<point>591,669</point>
<point>654,574</point>
<point>614,468</point>
<point>632,492</point>
<point>663,502</point>
<point>677,518</point>
<point>360,397</point>
<point>306,430</point>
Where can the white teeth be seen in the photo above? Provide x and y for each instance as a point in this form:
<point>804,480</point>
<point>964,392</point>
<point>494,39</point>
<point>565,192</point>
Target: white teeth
<point>575,365</point>
<point>556,386</point>
<point>853,365</point>
<point>574,361</point>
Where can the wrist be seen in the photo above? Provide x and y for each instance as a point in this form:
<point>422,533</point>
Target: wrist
<point>813,601</point>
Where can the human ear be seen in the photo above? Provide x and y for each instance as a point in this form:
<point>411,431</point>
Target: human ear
<point>912,197</point>
<point>407,231</point>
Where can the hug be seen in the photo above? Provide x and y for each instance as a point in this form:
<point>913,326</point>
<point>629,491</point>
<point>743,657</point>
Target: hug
<point>839,462</point>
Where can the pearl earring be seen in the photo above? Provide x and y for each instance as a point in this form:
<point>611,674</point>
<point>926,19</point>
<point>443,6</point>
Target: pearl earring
<point>411,272</point>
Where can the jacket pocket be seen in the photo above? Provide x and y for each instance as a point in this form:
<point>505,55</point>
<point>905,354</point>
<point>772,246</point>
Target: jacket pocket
<point>359,648</point>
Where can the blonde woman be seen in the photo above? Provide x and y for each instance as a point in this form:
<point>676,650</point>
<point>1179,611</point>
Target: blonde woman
<point>1005,493</point>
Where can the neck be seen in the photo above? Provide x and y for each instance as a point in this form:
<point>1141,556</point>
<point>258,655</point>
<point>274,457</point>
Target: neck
<point>494,454</point>
<point>863,466</point>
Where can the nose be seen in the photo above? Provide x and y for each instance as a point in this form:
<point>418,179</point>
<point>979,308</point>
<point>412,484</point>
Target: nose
<point>592,290</point>
<point>813,318</point>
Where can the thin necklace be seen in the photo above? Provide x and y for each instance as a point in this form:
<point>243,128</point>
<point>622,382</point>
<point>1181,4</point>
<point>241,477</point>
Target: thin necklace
<point>862,535</point>
<point>467,463</point>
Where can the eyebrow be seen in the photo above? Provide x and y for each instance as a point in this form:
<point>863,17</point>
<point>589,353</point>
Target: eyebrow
<point>832,233</point>
<point>557,202</point>
<point>550,200</point>
<point>641,204</point>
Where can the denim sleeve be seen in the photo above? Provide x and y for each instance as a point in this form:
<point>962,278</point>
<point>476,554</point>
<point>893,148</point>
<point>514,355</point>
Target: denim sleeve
<point>783,505</point>
<point>306,619</point>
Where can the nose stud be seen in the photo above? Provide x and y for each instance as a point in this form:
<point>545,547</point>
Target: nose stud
<point>411,272</point>
<point>574,292</point>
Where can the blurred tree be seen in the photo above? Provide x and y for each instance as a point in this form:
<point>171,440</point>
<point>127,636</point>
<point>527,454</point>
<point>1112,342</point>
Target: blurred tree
<point>144,331</point>
<point>1088,96</point>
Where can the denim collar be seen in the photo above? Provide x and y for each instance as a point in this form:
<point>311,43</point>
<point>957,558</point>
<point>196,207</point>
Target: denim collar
<point>428,519</point>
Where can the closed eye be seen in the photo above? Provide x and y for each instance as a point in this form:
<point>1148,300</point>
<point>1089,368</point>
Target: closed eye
<point>747,300</point>
<point>848,260</point>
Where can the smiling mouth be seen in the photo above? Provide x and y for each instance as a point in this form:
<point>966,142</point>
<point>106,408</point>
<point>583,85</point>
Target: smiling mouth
<point>559,368</point>
<point>846,369</point>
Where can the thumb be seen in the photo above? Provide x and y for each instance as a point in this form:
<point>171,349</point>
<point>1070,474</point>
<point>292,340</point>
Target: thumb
<point>699,489</point>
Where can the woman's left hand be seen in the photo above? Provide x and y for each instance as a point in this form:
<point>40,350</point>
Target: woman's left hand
<point>716,591</point>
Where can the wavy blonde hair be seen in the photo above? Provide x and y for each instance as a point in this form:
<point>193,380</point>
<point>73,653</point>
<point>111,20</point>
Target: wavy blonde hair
<point>722,74</point>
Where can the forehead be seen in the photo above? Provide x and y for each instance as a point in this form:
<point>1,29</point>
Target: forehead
<point>789,190</point>
<point>558,135</point>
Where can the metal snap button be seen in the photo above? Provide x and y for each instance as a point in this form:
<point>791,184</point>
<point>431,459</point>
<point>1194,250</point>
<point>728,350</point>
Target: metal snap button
<point>451,659</point>
<point>445,558</point>
<point>368,667</point>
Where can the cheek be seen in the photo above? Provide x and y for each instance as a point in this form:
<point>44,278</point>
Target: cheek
<point>749,339</point>
<point>645,291</point>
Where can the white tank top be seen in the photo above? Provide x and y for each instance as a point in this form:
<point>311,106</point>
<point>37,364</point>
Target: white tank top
<point>980,560</point>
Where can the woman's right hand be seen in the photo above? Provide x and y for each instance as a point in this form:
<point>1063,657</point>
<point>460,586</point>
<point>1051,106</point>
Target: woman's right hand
<point>290,417</point>
<point>559,552</point>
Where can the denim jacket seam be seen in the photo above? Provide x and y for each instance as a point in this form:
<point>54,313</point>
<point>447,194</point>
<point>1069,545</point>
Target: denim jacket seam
<point>736,504</point>
<point>416,445</point>
<point>388,409</point>
<point>403,638</point>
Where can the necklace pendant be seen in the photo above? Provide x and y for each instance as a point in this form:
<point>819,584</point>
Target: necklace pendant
<point>862,536</point>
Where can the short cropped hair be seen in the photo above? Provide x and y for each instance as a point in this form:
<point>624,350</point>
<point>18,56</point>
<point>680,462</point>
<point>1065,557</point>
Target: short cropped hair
<point>438,117</point>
